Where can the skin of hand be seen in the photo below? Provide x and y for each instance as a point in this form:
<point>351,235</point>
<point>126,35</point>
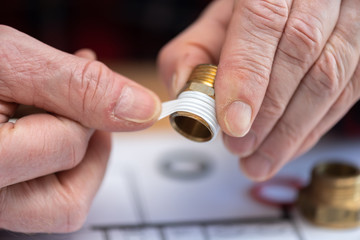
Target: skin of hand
<point>288,70</point>
<point>52,163</point>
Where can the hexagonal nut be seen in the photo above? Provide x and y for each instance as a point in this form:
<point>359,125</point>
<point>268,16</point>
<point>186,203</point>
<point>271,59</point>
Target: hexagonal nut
<point>200,87</point>
<point>344,214</point>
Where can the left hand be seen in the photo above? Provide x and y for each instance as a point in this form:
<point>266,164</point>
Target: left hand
<point>52,164</point>
<point>288,70</point>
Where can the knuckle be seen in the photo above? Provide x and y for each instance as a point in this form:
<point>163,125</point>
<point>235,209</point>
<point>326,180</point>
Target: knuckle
<point>90,84</point>
<point>305,33</point>
<point>273,107</point>
<point>290,131</point>
<point>267,15</point>
<point>326,78</point>
<point>250,69</point>
<point>293,56</point>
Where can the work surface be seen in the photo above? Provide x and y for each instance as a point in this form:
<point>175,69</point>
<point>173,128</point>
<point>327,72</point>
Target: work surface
<point>160,186</point>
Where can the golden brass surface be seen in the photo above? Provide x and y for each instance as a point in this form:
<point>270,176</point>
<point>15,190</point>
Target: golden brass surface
<point>332,199</point>
<point>189,125</point>
<point>202,79</point>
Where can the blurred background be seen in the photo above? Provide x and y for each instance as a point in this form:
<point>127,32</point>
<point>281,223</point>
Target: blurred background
<point>114,29</point>
<point>125,34</point>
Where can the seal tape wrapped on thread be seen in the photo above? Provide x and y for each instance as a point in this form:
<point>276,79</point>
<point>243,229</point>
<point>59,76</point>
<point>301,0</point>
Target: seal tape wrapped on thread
<point>192,114</point>
<point>197,104</point>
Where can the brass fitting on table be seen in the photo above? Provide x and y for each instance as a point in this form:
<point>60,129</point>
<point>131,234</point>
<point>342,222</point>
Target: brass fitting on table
<point>332,199</point>
<point>189,125</point>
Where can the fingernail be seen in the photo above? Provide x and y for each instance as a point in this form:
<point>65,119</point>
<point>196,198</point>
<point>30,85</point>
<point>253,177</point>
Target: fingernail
<point>136,104</point>
<point>238,118</point>
<point>179,79</point>
<point>178,83</point>
<point>173,84</point>
<point>256,167</point>
<point>242,147</point>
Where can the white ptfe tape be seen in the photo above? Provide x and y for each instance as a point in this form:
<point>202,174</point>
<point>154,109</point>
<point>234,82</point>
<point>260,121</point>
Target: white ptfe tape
<point>196,103</point>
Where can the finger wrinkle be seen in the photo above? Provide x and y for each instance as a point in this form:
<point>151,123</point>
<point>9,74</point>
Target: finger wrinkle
<point>286,130</point>
<point>85,82</point>
<point>19,67</point>
<point>70,86</point>
<point>327,79</point>
<point>273,107</point>
<point>265,13</point>
<point>334,61</point>
<point>310,34</point>
<point>295,61</point>
<point>281,8</point>
<point>259,72</point>
<point>94,78</point>
<point>98,80</point>
<point>259,36</point>
<point>349,35</point>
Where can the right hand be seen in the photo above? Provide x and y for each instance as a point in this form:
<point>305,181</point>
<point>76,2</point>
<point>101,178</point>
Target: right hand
<point>288,70</point>
<point>51,165</point>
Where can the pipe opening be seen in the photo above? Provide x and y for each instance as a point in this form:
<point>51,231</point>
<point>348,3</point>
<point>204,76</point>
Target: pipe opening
<point>191,126</point>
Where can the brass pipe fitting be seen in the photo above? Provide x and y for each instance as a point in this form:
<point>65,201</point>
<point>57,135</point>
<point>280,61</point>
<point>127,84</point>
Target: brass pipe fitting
<point>188,124</point>
<point>332,199</point>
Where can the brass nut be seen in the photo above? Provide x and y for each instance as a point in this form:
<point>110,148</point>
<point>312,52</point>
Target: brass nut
<point>202,79</point>
<point>200,87</point>
<point>332,199</point>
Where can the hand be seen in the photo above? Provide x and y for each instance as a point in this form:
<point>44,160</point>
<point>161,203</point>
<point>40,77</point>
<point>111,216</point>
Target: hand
<point>52,163</point>
<point>288,70</point>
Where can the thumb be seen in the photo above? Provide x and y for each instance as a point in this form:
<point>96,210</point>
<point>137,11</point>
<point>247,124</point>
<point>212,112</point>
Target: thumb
<point>77,87</point>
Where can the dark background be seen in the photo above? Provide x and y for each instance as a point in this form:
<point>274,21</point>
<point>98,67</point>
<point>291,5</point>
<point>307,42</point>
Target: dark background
<point>115,29</point>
